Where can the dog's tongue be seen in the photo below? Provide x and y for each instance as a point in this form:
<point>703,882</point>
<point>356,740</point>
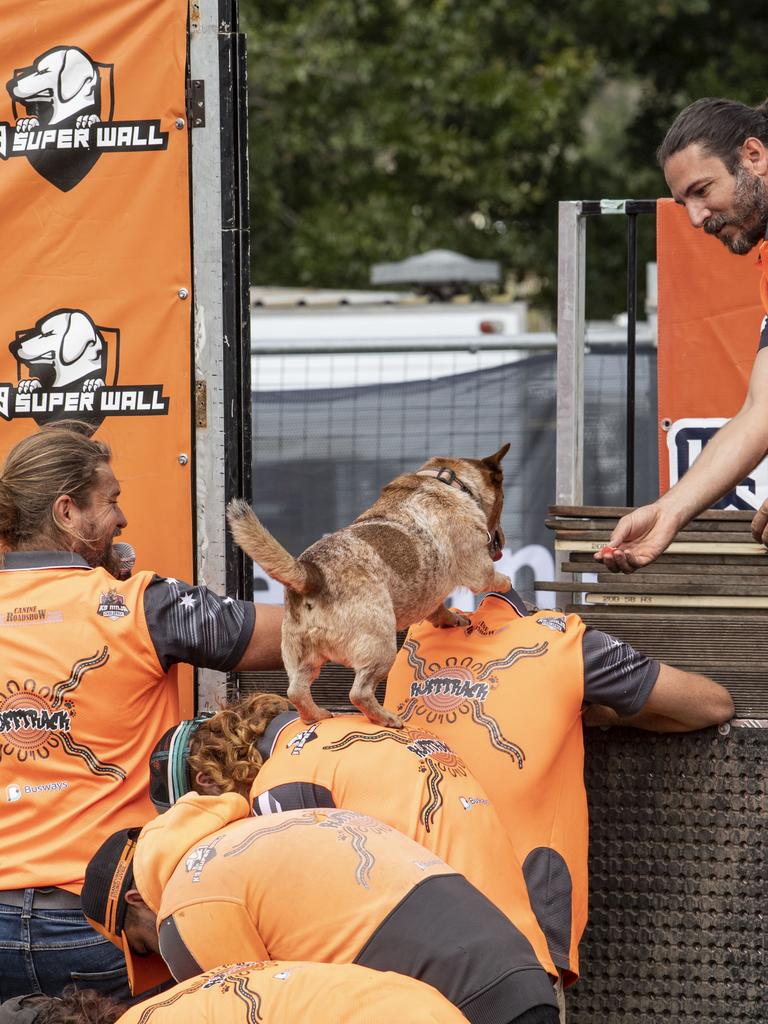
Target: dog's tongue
<point>496,551</point>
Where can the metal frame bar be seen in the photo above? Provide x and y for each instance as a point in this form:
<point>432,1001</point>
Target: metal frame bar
<point>571,266</point>
<point>220,313</point>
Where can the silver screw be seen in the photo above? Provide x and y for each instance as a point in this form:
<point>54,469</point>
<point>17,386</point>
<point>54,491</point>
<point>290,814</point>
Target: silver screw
<point>183,293</point>
<point>183,459</point>
<point>724,729</point>
<point>179,123</point>
<point>666,424</point>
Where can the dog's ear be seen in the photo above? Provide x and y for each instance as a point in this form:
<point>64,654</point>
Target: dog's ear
<point>79,333</point>
<point>77,72</point>
<point>493,461</point>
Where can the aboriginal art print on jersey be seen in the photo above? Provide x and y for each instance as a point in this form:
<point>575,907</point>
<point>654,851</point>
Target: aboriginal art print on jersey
<point>349,826</point>
<point>435,760</point>
<point>35,719</point>
<point>441,692</point>
<point>234,978</point>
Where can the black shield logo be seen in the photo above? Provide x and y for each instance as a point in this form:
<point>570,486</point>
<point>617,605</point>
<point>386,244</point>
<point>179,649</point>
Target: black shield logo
<point>61,93</point>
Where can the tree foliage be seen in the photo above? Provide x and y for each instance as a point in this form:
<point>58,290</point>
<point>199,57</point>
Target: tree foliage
<point>381,128</point>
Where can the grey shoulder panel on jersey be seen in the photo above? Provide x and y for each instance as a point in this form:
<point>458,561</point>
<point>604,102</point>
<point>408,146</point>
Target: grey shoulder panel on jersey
<point>448,934</point>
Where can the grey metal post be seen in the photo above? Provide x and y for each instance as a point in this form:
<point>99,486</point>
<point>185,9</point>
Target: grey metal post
<point>571,262</point>
<point>208,322</point>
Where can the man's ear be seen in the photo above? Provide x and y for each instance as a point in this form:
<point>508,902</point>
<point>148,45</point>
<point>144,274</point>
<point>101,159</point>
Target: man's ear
<point>754,156</point>
<point>133,896</point>
<point>65,513</point>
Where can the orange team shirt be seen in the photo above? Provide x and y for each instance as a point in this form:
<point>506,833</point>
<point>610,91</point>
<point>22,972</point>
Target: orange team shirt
<point>507,693</point>
<point>273,992</point>
<point>327,886</point>
<point>762,259</point>
<point>82,700</point>
<point>408,778</point>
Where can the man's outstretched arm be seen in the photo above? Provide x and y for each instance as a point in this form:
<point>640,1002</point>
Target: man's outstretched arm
<point>734,451</point>
<point>679,702</point>
<point>263,650</point>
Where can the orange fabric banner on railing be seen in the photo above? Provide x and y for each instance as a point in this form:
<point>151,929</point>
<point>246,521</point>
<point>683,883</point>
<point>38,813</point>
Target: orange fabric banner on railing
<point>95,320</point>
<point>709,321</point>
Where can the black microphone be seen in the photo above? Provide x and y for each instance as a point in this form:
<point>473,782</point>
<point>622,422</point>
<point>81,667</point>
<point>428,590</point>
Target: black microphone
<point>124,558</point>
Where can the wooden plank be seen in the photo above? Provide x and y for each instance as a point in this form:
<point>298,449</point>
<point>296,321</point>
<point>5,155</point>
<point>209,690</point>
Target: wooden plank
<point>676,601</point>
<point>615,512</point>
<point>681,563</point>
<point>689,538</point>
<point>696,525</point>
<point>679,572</point>
<point>675,548</point>
<point>622,584</point>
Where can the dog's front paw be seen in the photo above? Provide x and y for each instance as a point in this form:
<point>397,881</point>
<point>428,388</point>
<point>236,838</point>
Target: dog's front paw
<point>93,385</point>
<point>445,618</point>
<point>28,384</point>
<point>86,120</point>
<point>501,583</point>
<point>27,124</point>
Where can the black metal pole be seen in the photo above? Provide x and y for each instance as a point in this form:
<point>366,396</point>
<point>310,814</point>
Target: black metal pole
<point>631,339</point>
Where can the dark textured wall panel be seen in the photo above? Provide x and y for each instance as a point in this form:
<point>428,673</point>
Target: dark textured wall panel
<point>678,903</point>
<point>679,883</point>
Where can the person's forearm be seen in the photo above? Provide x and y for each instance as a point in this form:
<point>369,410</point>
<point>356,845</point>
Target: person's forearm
<point>263,650</point>
<point>730,456</point>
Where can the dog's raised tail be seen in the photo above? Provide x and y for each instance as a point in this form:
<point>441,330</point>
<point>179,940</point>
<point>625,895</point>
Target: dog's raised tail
<point>259,544</point>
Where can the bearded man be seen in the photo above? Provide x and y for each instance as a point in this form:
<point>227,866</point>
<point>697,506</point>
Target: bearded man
<point>87,687</point>
<point>715,161</point>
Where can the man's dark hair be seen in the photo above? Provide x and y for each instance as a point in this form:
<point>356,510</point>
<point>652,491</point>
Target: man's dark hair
<point>719,126</point>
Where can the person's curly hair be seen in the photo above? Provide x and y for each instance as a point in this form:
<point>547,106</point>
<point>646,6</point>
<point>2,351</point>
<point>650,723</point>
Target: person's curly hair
<point>80,1006</point>
<point>224,746</point>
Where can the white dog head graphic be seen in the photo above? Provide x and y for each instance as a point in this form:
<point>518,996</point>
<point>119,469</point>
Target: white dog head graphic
<point>63,79</point>
<point>67,341</point>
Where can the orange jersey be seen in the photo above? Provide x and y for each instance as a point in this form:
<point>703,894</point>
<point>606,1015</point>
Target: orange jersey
<point>328,886</point>
<point>272,992</point>
<point>506,693</point>
<point>82,700</point>
<point>408,778</point>
<point>762,259</point>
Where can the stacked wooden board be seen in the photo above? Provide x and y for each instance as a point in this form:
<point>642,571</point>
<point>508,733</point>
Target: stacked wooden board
<point>701,606</point>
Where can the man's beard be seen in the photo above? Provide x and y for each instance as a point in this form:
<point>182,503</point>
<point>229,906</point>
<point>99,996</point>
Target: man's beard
<point>750,215</point>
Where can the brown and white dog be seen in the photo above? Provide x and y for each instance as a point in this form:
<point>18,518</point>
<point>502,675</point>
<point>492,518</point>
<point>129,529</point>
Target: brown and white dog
<point>347,594</point>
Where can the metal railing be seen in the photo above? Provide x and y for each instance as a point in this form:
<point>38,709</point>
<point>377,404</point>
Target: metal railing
<point>571,274</point>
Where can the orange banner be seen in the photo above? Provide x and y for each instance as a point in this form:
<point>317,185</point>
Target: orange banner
<point>95,322</point>
<point>709,326</point>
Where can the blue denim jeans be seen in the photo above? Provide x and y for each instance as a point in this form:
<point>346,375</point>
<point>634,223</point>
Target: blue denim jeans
<point>46,950</point>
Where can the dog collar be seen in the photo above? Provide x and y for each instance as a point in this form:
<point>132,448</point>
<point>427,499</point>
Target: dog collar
<point>447,476</point>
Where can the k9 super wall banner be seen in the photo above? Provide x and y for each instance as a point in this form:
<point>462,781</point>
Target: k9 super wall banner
<point>710,320</point>
<point>95,254</point>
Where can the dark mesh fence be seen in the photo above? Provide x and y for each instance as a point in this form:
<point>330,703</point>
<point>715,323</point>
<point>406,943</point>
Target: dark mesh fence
<point>320,457</point>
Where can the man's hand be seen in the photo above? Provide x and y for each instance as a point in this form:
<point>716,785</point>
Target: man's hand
<point>760,524</point>
<point>639,538</point>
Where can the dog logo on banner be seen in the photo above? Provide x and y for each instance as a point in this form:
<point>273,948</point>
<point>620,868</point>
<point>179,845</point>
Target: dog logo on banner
<point>63,370</point>
<point>63,107</point>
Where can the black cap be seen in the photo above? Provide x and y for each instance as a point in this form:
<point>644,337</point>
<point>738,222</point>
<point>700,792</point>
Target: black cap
<point>108,878</point>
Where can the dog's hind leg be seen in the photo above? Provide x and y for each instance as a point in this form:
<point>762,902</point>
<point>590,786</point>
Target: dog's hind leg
<point>300,679</point>
<point>363,692</point>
